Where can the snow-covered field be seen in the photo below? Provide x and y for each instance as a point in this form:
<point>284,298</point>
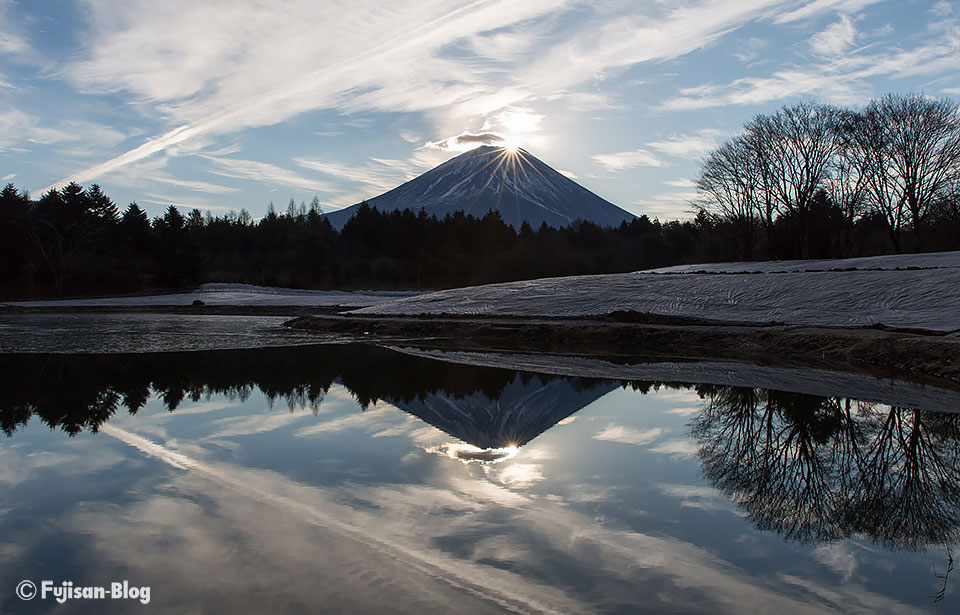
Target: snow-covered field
<point>904,291</point>
<point>919,291</point>
<point>933,260</point>
<point>233,295</point>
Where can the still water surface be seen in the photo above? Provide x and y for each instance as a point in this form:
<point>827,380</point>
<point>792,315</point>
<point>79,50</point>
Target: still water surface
<point>354,479</point>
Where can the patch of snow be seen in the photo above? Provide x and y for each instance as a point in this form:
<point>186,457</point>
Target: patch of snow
<point>890,291</point>
<point>933,260</point>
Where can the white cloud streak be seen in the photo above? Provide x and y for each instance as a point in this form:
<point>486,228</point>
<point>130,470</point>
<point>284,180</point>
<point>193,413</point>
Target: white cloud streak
<point>688,146</point>
<point>628,160</point>
<point>219,67</point>
<point>835,40</point>
<point>844,79</point>
<point>267,173</point>
<point>628,435</point>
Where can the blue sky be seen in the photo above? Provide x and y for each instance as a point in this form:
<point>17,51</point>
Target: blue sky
<point>233,104</point>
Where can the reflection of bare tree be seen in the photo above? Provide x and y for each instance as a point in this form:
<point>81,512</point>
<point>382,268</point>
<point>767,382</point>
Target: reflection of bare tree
<point>910,479</point>
<point>814,468</point>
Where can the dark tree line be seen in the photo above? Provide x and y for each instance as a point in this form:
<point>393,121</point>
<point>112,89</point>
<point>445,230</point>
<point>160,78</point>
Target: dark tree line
<point>76,242</point>
<point>814,180</point>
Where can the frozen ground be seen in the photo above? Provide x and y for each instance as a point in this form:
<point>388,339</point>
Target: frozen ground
<point>233,295</point>
<point>905,291</point>
<point>934,260</point>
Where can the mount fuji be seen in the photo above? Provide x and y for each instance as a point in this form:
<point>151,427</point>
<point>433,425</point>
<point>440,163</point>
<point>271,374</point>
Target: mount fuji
<point>513,182</point>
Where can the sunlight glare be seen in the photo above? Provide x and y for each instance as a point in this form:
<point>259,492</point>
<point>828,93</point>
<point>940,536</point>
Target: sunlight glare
<point>468,453</point>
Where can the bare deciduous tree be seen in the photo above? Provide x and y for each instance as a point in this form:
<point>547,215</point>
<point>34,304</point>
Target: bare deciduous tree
<point>800,143</point>
<point>923,146</point>
<point>729,188</point>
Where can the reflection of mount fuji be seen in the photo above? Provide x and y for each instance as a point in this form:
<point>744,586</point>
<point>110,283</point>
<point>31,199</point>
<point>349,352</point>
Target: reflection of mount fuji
<point>525,409</point>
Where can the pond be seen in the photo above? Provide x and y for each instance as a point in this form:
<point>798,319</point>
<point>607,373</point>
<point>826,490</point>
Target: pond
<point>356,479</point>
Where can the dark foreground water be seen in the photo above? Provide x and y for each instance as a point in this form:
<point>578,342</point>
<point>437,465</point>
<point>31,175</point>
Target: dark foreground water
<point>353,479</point>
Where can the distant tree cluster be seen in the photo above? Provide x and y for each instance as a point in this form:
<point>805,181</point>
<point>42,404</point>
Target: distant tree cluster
<point>74,242</point>
<point>814,180</point>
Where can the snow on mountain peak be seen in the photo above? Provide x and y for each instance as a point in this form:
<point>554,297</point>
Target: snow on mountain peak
<point>511,181</point>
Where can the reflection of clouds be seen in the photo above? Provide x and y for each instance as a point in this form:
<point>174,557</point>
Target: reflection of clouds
<point>405,424</point>
<point>688,411</point>
<point>587,492</point>
<point>9,551</point>
<point>687,397</point>
<point>849,597</point>
<point>679,447</point>
<point>317,507</point>
<point>199,407</point>
<point>469,453</point>
<point>154,423</point>
<point>519,475</point>
<point>20,467</point>
<point>628,435</point>
<point>696,496</point>
<point>371,420</point>
<point>354,537</point>
<point>249,425</point>
<point>838,557</point>
<point>539,452</point>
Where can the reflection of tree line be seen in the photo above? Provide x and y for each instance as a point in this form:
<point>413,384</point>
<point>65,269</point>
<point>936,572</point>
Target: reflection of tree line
<point>80,392</point>
<point>816,469</point>
<point>810,468</point>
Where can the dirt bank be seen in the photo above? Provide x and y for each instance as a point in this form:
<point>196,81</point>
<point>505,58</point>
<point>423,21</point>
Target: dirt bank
<point>877,350</point>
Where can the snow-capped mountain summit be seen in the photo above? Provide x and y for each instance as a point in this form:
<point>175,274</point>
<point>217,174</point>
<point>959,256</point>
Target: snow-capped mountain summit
<point>513,182</point>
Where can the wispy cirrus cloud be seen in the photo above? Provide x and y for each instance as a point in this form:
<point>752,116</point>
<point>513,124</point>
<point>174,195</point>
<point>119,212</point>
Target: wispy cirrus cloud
<point>628,435</point>
<point>421,80</point>
<point>198,186</point>
<point>808,10</point>
<point>220,67</point>
<point>376,175</point>
<point>688,146</point>
<point>264,172</point>
<point>835,40</point>
<point>842,79</point>
<point>668,204</point>
<point>627,160</point>
<point>11,41</point>
<point>677,146</point>
<point>18,128</point>
<point>165,200</point>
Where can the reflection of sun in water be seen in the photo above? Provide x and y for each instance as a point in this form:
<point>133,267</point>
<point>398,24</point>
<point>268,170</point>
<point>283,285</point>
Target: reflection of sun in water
<point>468,453</point>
